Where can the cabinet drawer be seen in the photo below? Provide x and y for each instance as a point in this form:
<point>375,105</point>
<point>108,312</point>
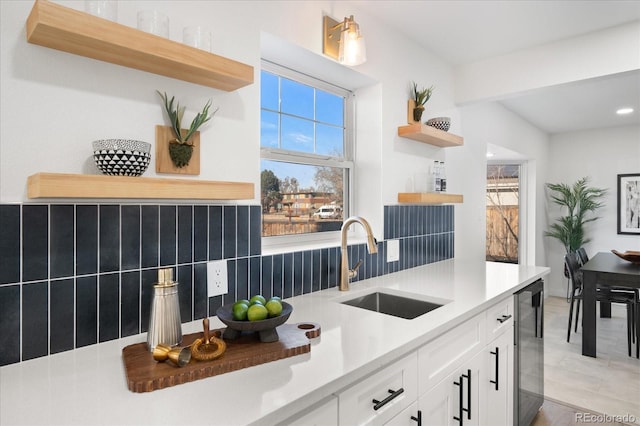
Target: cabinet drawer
<point>445,353</point>
<point>356,406</point>
<point>499,318</point>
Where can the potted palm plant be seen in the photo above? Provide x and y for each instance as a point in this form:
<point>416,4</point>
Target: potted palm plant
<point>580,202</point>
<point>419,98</point>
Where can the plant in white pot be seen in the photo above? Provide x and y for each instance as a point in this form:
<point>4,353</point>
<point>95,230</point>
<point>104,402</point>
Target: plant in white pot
<point>181,147</point>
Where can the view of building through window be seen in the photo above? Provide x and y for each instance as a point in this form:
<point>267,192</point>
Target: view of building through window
<point>290,208</point>
<point>503,206</point>
<point>305,163</point>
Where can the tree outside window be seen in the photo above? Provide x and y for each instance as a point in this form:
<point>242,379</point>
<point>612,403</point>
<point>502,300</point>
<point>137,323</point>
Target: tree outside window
<point>503,205</point>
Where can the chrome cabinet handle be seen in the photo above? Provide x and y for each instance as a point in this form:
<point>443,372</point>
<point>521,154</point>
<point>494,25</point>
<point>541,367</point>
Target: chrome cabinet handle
<point>380,404</point>
<point>503,319</point>
<point>418,419</point>
<point>497,354</point>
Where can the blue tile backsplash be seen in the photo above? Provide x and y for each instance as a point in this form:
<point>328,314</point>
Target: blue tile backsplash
<point>73,275</point>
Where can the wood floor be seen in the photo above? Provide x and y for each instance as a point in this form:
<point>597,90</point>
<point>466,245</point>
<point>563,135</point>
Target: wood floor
<point>559,414</point>
<point>575,385</point>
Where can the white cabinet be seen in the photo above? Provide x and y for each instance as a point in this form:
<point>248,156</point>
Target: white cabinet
<point>458,371</point>
<point>410,416</point>
<point>463,377</point>
<point>325,414</point>
<point>437,405</point>
<point>450,375</point>
<point>499,318</point>
<point>497,381</point>
<point>381,396</point>
<point>456,399</point>
<point>444,354</point>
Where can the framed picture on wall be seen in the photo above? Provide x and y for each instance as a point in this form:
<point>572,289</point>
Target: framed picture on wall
<point>629,204</point>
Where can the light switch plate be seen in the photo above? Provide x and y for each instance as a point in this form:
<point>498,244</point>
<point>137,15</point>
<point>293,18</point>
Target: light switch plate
<point>217,283</point>
<point>393,250</point>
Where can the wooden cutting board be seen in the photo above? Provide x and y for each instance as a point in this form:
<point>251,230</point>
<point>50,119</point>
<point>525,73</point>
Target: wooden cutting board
<point>144,374</point>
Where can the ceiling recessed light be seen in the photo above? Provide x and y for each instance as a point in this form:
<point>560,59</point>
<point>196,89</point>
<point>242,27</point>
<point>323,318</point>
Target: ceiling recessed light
<point>489,154</point>
<point>623,111</point>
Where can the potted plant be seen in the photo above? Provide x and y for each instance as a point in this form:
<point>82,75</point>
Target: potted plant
<point>419,98</point>
<point>181,147</point>
<point>581,202</point>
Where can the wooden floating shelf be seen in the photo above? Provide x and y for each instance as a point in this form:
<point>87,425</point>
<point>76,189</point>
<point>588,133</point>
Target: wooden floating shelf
<point>61,185</point>
<point>58,27</point>
<point>430,135</point>
<point>428,197</point>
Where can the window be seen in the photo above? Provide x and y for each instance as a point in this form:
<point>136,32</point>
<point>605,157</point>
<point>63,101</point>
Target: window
<point>503,212</point>
<point>306,153</point>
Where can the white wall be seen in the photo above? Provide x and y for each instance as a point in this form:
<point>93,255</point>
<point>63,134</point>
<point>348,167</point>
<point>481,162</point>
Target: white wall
<point>490,123</point>
<point>600,155</point>
<point>54,103</point>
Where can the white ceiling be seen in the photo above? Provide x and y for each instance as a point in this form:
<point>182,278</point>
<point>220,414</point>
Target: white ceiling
<point>586,105</point>
<point>464,31</point>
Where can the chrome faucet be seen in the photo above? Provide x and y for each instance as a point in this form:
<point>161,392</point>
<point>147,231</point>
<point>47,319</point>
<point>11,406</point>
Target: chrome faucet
<point>372,247</point>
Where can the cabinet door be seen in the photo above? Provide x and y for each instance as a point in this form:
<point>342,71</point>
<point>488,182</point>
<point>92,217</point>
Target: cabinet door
<point>445,354</point>
<point>410,416</point>
<point>438,404</point>
<point>381,396</point>
<point>497,386</point>
<point>456,399</point>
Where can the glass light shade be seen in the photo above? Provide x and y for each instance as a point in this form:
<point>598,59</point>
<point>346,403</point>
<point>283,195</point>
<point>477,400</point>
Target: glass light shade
<point>352,47</point>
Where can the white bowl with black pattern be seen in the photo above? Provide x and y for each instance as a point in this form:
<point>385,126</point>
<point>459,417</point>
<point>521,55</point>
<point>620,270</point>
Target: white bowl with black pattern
<point>122,157</point>
<point>440,123</point>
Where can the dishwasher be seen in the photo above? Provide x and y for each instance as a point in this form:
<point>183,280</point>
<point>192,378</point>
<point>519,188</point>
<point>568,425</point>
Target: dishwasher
<point>529,352</point>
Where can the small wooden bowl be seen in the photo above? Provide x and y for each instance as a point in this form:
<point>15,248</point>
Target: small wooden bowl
<point>629,256</point>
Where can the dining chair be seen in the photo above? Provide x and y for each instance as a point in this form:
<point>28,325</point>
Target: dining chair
<point>629,299</point>
<point>583,258</point>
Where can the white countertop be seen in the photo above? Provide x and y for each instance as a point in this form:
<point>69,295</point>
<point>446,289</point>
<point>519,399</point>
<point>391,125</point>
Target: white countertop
<point>88,386</point>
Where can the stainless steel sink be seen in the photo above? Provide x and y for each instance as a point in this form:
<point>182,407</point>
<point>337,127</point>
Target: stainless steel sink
<point>390,304</point>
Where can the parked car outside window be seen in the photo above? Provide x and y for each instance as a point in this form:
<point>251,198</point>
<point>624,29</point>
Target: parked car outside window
<point>328,212</point>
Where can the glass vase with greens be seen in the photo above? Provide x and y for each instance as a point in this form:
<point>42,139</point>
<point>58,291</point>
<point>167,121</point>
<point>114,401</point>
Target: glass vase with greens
<point>580,202</point>
<point>181,147</point>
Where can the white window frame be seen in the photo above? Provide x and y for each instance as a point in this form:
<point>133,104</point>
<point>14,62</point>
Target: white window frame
<point>284,243</point>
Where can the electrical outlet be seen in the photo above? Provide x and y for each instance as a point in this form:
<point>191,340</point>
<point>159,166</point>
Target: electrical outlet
<point>393,250</point>
<point>217,283</point>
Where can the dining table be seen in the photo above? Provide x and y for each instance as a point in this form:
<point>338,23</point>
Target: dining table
<point>603,270</point>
